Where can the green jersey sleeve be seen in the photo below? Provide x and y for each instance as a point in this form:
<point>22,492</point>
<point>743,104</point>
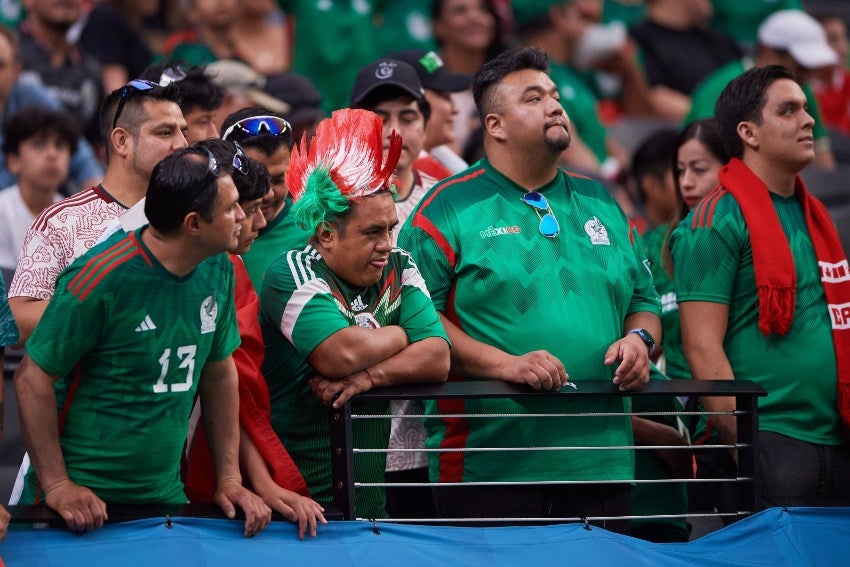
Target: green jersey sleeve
<point>227,337</point>
<point>430,257</point>
<point>69,328</point>
<point>645,297</point>
<point>418,317</point>
<point>707,250</point>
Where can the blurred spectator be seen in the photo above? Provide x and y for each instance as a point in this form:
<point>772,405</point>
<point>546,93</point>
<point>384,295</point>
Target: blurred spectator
<point>112,35</point>
<point>467,32</point>
<point>404,24</point>
<point>333,39</point>
<point>15,95</point>
<point>50,57</point>
<point>439,85</point>
<point>832,88</point>
<point>304,100</point>
<point>742,18</point>
<point>243,87</point>
<point>200,97</point>
<point>208,37</point>
<point>37,143</point>
<point>260,37</point>
<point>679,49</point>
<point>11,13</point>
<point>790,38</point>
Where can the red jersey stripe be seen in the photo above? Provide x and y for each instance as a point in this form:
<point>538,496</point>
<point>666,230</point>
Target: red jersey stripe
<point>104,272</point>
<point>98,262</point>
<point>40,223</point>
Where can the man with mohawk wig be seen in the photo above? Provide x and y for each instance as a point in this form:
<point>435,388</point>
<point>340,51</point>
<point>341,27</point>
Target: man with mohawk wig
<point>348,312</point>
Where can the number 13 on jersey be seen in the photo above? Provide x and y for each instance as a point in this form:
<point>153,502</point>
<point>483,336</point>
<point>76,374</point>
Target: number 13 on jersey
<point>186,355</point>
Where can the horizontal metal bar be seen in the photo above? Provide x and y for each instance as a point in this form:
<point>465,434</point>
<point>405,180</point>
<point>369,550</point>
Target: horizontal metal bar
<point>574,519</point>
<point>578,448</point>
<point>729,480</point>
<point>482,389</point>
<point>527,415</point>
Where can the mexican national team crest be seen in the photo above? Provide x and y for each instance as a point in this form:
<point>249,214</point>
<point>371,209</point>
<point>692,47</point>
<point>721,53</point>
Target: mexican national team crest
<point>597,232</point>
<point>366,320</point>
<point>209,311</point>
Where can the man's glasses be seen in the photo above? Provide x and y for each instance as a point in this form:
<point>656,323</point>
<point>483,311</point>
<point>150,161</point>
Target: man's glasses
<point>549,226</point>
<point>136,85</point>
<point>172,74</point>
<point>240,160</point>
<point>257,126</point>
<point>212,163</point>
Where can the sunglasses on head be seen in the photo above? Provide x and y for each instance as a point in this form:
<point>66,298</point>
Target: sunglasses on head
<point>257,126</point>
<point>240,160</point>
<point>549,226</point>
<point>140,85</point>
<point>172,74</point>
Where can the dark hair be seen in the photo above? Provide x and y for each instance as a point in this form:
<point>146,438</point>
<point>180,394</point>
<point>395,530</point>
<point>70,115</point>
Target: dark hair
<point>255,184</point>
<point>133,113</point>
<point>36,122</point>
<point>390,92</point>
<point>266,143</point>
<point>653,157</point>
<point>742,100</point>
<point>197,90</point>
<point>182,183</point>
<point>492,72</point>
<point>705,132</point>
<point>497,45</point>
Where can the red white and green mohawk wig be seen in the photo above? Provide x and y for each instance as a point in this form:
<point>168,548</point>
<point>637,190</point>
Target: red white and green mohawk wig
<point>344,162</point>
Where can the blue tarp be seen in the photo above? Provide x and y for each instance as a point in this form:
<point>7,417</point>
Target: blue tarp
<point>795,537</point>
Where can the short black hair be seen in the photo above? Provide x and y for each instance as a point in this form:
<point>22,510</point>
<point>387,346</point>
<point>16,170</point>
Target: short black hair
<point>493,71</point>
<point>197,90</point>
<point>251,185</point>
<point>133,113</point>
<point>742,100</point>
<point>182,183</point>
<point>35,122</point>
<point>390,92</point>
<point>266,143</point>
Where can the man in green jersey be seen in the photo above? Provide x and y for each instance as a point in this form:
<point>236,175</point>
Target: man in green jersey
<point>790,38</point>
<point>763,288</point>
<point>348,312</point>
<point>536,272</point>
<point>137,327</point>
<point>267,138</point>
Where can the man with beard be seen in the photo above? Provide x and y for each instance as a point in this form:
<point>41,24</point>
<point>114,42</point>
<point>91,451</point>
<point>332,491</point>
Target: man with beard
<point>536,273</point>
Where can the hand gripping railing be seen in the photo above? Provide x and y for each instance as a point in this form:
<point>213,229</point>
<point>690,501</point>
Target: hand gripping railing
<point>745,392</point>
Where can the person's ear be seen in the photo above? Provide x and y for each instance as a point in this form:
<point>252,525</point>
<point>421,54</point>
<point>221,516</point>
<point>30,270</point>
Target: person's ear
<point>495,127</point>
<point>122,142</point>
<point>192,223</point>
<point>748,132</point>
<point>326,235</point>
<point>13,164</point>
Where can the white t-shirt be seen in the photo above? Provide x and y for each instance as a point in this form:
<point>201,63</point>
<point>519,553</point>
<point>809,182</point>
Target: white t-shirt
<point>15,219</point>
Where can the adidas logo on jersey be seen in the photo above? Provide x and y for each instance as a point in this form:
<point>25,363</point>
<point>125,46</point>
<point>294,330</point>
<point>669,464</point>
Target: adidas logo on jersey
<point>357,304</point>
<point>146,325</point>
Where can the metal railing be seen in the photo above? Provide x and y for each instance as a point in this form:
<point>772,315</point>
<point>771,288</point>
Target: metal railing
<point>746,393</point>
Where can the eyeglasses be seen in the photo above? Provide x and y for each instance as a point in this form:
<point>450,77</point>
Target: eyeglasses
<point>549,226</point>
<point>240,160</point>
<point>172,74</point>
<point>212,163</point>
<point>136,85</point>
<point>257,126</point>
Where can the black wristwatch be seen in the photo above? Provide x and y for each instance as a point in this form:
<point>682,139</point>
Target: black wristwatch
<point>646,338</point>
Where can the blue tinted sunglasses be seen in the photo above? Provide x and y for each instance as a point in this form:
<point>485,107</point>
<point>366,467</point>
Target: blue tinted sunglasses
<point>549,226</point>
<point>136,85</point>
<point>240,160</point>
<point>257,126</point>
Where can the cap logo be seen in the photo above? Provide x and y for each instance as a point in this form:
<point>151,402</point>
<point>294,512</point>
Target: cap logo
<point>385,70</point>
<point>431,61</point>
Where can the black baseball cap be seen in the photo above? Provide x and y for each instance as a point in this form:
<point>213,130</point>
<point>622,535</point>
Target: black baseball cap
<point>383,73</point>
<point>431,72</point>
<point>300,93</point>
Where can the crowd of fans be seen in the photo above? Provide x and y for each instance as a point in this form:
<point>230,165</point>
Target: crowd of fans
<point>608,125</point>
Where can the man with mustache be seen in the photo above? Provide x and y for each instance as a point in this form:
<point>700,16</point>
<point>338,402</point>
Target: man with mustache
<point>536,273</point>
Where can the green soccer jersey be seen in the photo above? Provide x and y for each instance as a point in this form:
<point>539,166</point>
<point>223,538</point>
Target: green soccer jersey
<point>129,340</point>
<point>705,96</point>
<point>714,262</point>
<point>303,303</point>
<point>281,235</point>
<point>675,365</point>
<point>579,102</point>
<point>488,267</point>
<point>8,329</point>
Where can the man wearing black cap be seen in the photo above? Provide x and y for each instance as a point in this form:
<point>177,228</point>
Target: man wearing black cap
<point>439,85</point>
<point>391,89</point>
<point>303,98</point>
